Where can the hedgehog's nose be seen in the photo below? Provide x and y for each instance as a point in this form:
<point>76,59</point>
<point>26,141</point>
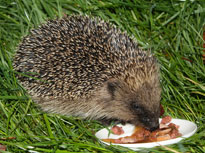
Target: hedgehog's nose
<point>150,124</point>
<point>153,128</point>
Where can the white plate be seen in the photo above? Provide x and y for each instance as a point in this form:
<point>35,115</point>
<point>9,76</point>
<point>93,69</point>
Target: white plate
<point>186,128</point>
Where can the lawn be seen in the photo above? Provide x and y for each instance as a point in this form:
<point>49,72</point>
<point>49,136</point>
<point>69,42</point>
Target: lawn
<point>172,30</point>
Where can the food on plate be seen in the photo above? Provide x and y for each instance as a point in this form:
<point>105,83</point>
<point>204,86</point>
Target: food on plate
<point>117,130</point>
<point>166,131</point>
<point>166,119</point>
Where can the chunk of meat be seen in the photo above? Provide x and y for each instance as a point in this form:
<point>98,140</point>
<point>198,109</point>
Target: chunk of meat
<point>163,131</point>
<point>172,125</point>
<point>166,119</point>
<point>159,133</point>
<point>117,130</point>
<point>175,133</point>
<point>159,138</point>
<point>163,137</point>
<point>162,126</point>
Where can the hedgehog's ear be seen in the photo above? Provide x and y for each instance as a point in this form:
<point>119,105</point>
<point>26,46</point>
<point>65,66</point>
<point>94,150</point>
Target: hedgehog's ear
<point>112,85</point>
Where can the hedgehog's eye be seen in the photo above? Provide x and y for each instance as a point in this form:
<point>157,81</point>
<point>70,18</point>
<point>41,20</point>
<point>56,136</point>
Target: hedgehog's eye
<point>136,108</point>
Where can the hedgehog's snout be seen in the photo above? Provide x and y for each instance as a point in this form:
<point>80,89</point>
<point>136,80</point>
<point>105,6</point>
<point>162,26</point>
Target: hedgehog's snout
<point>153,126</point>
<point>150,123</point>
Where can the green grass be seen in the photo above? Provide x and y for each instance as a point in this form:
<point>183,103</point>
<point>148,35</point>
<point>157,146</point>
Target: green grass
<point>173,30</point>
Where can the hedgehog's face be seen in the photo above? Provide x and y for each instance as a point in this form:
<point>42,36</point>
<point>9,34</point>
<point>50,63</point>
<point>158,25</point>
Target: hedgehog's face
<point>145,105</point>
<point>139,107</point>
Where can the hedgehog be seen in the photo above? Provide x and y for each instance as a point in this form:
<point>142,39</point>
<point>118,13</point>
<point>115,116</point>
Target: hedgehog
<point>87,67</point>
